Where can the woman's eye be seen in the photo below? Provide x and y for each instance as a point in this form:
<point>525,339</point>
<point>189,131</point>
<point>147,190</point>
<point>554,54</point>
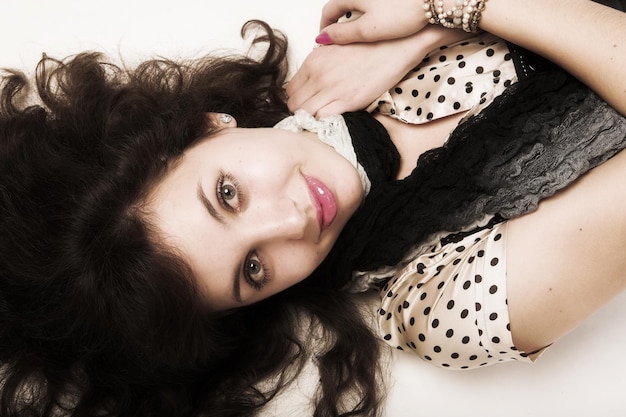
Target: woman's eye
<point>228,193</point>
<point>255,273</point>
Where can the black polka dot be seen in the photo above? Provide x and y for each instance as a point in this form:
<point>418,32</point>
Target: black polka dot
<point>493,289</point>
<point>469,89</point>
<point>459,57</point>
<point>451,80</point>
<point>390,294</point>
<point>490,52</point>
<point>387,337</point>
<point>439,269</point>
<point>423,296</point>
<point>405,304</point>
<point>478,279</point>
<point>427,311</point>
<point>449,333</point>
<point>456,105</point>
<point>467,284</point>
<point>493,316</point>
<point>437,349</point>
<point>420,268</point>
<point>455,355</point>
<point>412,321</point>
<point>430,116</point>
<point>460,248</point>
<point>382,312</point>
<point>421,337</point>
<point>435,323</point>
<point>495,339</point>
<point>462,64</point>
<point>494,261</point>
<point>473,358</point>
<point>442,58</point>
<point>389,316</point>
<point>450,305</point>
<point>479,70</point>
<point>465,340</point>
<point>428,95</point>
<point>441,284</point>
<point>441,98</point>
<point>398,90</point>
<point>437,78</point>
<point>478,306</point>
<point>420,77</point>
<point>497,73</point>
<point>497,237</point>
<point>414,93</point>
<point>419,111</point>
<point>464,313</point>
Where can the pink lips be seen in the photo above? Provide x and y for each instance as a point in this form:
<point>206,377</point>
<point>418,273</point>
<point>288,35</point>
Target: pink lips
<point>324,202</point>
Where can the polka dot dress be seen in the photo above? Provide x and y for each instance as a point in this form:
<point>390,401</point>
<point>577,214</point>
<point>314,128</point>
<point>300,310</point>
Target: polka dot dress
<point>450,80</point>
<point>449,305</point>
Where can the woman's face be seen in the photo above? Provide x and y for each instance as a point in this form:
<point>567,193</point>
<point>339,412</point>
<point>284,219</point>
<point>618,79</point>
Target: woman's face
<point>254,211</point>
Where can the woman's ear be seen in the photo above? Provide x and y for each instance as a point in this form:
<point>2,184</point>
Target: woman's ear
<point>222,120</point>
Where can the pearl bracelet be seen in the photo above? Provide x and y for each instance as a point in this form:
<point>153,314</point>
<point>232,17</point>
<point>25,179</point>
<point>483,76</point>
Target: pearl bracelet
<point>464,15</point>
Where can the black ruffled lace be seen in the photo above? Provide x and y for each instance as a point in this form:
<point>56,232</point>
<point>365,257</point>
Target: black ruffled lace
<point>535,139</point>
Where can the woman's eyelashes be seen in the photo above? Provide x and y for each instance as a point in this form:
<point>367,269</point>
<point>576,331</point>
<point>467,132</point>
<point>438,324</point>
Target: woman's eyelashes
<point>230,196</point>
<point>255,272</point>
<point>229,193</point>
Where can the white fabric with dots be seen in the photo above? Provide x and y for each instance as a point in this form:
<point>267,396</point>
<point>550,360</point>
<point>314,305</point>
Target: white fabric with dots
<point>451,80</point>
<point>449,305</point>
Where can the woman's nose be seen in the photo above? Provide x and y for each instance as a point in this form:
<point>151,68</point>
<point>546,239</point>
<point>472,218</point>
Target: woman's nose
<point>282,220</point>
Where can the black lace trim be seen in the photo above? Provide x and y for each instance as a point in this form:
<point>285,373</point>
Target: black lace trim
<point>536,138</point>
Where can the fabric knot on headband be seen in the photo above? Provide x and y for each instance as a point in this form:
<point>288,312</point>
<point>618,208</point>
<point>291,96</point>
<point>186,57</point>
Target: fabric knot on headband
<point>330,130</point>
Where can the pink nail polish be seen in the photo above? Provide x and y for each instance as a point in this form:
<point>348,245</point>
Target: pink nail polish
<point>323,39</point>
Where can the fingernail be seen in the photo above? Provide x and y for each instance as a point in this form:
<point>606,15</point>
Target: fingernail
<point>323,39</point>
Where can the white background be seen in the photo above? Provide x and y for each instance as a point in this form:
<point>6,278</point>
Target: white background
<point>581,375</point>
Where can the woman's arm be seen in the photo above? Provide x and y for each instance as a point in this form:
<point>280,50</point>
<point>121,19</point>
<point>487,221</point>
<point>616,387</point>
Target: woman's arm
<point>585,38</point>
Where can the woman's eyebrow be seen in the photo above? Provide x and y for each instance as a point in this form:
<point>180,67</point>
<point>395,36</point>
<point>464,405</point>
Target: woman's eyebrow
<point>204,200</point>
<point>208,206</point>
<point>236,287</point>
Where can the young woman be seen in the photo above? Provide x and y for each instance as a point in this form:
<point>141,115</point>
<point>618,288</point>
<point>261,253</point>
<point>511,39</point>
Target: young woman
<point>110,189</point>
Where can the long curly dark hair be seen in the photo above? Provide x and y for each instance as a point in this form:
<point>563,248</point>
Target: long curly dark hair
<point>98,318</point>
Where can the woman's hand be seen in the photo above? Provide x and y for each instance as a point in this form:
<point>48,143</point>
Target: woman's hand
<point>338,78</point>
<point>380,20</point>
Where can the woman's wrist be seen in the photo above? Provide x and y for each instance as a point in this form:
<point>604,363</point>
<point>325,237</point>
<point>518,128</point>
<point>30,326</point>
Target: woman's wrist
<point>455,14</point>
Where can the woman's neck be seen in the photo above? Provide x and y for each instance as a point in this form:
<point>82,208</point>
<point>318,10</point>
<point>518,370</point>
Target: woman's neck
<point>413,140</point>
